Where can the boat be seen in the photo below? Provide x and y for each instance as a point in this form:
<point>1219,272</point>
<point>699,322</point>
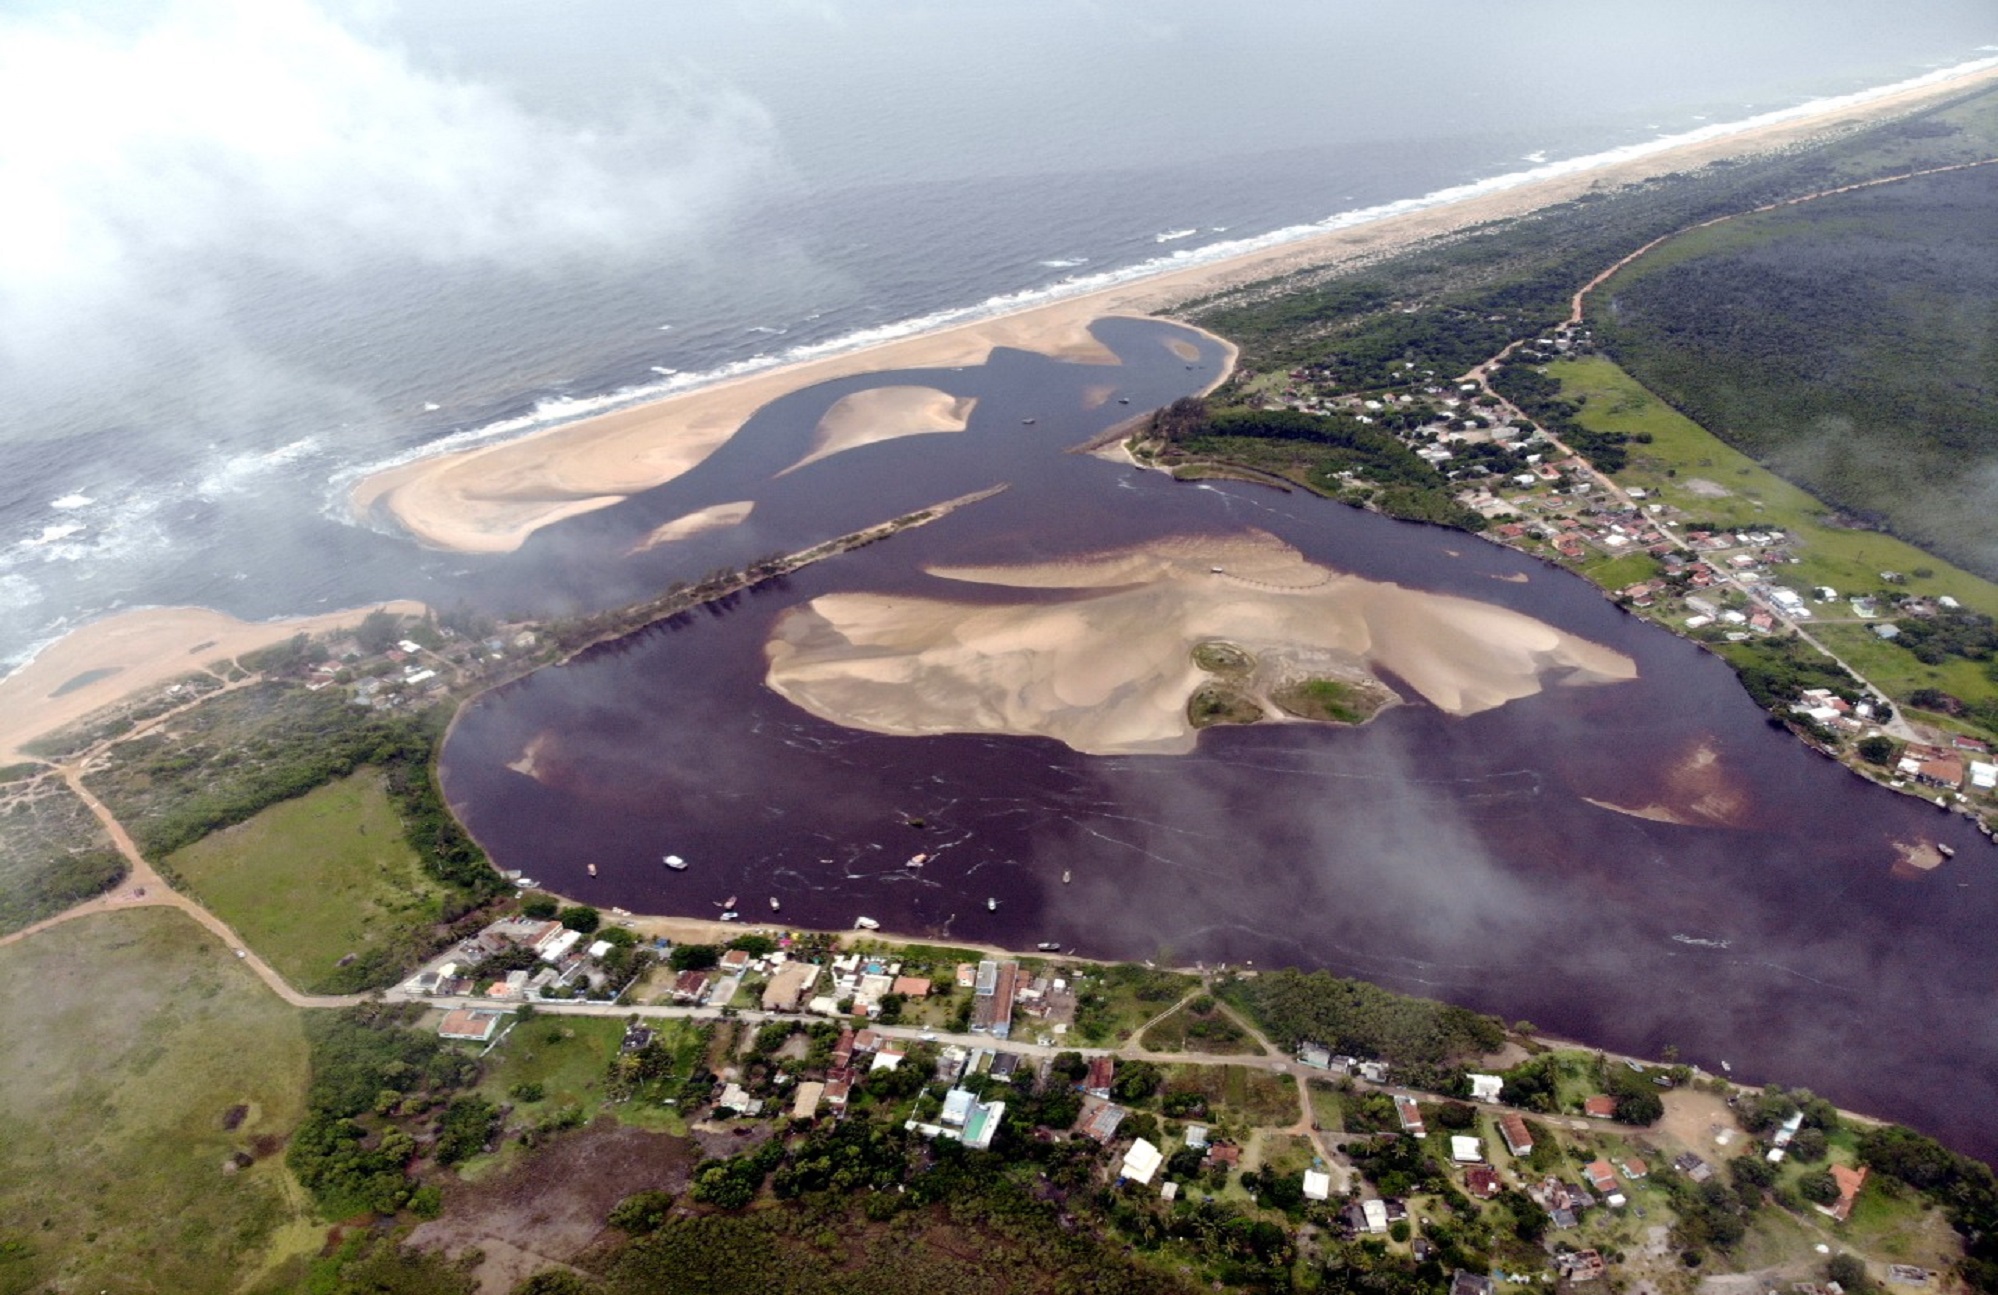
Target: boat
<point>1727,1068</point>
<point>774,905</point>
<point>591,868</point>
<point>525,882</point>
<point>729,902</point>
<point>675,862</point>
<point>991,905</point>
<point>1029,422</point>
<point>730,915</point>
<point>866,924</point>
<point>1064,876</point>
<point>917,861</point>
<point>1049,946</point>
<point>1946,851</point>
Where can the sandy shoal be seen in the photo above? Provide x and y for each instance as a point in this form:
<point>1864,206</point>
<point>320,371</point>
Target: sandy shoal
<point>489,499</point>
<point>1110,671</point>
<point>714,517</point>
<point>142,650</point>
<point>886,414</point>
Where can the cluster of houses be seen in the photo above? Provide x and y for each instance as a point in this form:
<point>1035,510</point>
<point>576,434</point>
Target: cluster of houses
<point>1002,990</point>
<point>1956,767</point>
<point>1319,1057</point>
<point>566,961</point>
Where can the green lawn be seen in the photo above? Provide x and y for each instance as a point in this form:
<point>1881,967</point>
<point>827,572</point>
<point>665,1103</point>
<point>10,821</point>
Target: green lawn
<point>1621,573</point>
<point>310,881</point>
<point>133,1035</point>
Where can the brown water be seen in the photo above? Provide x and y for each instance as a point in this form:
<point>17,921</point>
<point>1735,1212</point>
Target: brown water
<point>1457,857</point>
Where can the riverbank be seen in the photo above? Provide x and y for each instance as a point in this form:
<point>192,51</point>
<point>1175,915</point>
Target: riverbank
<point>491,498</point>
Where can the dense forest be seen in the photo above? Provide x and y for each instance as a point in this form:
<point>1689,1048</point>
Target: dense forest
<point>1850,343</point>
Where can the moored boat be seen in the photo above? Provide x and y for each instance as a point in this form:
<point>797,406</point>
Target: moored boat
<point>675,862</point>
<point>866,924</point>
<point>991,905</point>
<point>774,905</point>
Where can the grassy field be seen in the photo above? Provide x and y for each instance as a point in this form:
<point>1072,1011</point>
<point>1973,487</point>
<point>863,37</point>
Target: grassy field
<point>1684,464</point>
<point>309,881</point>
<point>1621,573</point>
<point>1255,1097</point>
<point>146,1035</point>
<point>1189,1030</point>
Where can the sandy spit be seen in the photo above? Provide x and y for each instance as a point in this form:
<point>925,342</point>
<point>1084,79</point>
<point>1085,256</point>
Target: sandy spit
<point>489,499</point>
<point>885,414</point>
<point>139,650</point>
<point>1110,672</point>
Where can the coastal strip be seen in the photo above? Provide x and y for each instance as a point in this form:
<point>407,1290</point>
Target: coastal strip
<point>491,497</point>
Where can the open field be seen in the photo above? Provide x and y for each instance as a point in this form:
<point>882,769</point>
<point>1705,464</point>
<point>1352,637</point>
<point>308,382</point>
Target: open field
<point>146,1039</point>
<point>1684,463</point>
<point>312,881</point>
<point>1192,1030</point>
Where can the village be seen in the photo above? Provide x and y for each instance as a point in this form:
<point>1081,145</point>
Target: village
<point>1717,584</point>
<point>1576,1167</point>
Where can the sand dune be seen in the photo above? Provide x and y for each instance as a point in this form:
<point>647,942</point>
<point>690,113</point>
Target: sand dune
<point>129,653</point>
<point>885,414</point>
<point>1110,671</point>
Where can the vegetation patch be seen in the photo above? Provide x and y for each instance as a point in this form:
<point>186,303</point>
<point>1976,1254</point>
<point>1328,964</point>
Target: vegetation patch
<point>1217,703</point>
<point>1335,701</point>
<point>53,852</point>
<point>150,1083</point>
<point>325,887</point>
<point>1201,1026</point>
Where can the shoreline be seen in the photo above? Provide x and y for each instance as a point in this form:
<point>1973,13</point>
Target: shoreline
<point>491,497</point>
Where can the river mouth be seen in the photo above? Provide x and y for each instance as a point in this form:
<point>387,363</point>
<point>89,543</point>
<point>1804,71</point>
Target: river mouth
<point>1535,859</point>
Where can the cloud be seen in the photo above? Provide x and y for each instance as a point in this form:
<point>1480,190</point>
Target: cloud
<point>180,162</point>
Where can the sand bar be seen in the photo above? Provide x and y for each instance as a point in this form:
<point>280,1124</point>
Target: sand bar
<point>489,499</point>
<point>130,653</point>
<point>885,414</point>
<point>1109,672</point>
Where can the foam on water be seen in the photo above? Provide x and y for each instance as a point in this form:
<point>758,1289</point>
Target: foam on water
<point>72,500</point>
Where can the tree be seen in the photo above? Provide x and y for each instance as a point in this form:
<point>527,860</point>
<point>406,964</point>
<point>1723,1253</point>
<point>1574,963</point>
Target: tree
<point>1135,1081</point>
<point>1639,1108</point>
<point>378,631</point>
<point>641,1211</point>
<point>1820,1188</point>
<point>1849,1271</point>
<point>581,917</point>
<point>1876,749</point>
<point>693,957</point>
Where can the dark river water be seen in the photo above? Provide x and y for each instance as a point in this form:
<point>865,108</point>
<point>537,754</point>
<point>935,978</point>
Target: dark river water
<point>1461,858</point>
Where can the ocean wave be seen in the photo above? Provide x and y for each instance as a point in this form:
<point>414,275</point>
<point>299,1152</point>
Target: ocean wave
<point>73,500</point>
<point>1066,262</point>
<point>1172,235</point>
<point>556,410</point>
<point>238,471</point>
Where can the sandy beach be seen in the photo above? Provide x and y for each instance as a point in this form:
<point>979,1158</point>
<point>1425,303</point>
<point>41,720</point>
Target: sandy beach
<point>122,655</point>
<point>491,498</point>
<point>1111,673</point>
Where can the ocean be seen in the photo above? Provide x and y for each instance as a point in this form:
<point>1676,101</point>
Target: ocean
<point>262,249</point>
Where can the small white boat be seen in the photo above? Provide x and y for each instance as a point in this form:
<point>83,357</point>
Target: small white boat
<point>675,862</point>
<point>525,882</point>
<point>1064,876</point>
<point>730,915</point>
<point>1049,946</point>
<point>991,905</point>
<point>1946,851</point>
<point>866,924</point>
<point>774,905</point>
<point>727,903</point>
<point>591,868</point>
<point>917,861</point>
<point>1726,1067</point>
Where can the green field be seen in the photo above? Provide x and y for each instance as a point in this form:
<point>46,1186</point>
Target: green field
<point>313,880</point>
<point>1684,462</point>
<point>132,1036</point>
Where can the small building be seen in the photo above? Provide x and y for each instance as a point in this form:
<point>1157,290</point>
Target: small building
<point>734,962</point>
<point>1600,1107</point>
<point>1481,1181</point>
<point>805,1105</point>
<point>1375,1213</point>
<point>690,986</point>
<point>1100,1121</point>
<point>1601,1176</point>
<point>1196,1136</point>
<point>1693,1167</point>
<point>1486,1088</point>
<point>838,1089</point>
<point>1141,1162</point>
<point>1469,1283</point>
<point>1849,1181</point>
<point>1101,1071</point>
<point>1581,1265</point>
<point>1466,1150</point>
<point>1635,1169</point>
<point>788,986</point>
<point>1513,1129</point>
<point>470,1024</point>
<point>1315,1055</point>
<point>1317,1186</point>
<point>957,1107</point>
<point>1004,1066</point>
<point>1410,1116</point>
<point>911,986</point>
<point>1222,1153</point>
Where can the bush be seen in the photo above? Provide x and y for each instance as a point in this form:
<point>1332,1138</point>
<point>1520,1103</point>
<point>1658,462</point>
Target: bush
<point>641,1212</point>
<point>1820,1188</point>
<point>581,917</point>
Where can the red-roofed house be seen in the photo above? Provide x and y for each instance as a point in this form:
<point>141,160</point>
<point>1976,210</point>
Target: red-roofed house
<point>1849,1182</point>
<point>1600,1107</point>
<point>1601,1176</point>
<point>1481,1181</point>
<point>1517,1140</point>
